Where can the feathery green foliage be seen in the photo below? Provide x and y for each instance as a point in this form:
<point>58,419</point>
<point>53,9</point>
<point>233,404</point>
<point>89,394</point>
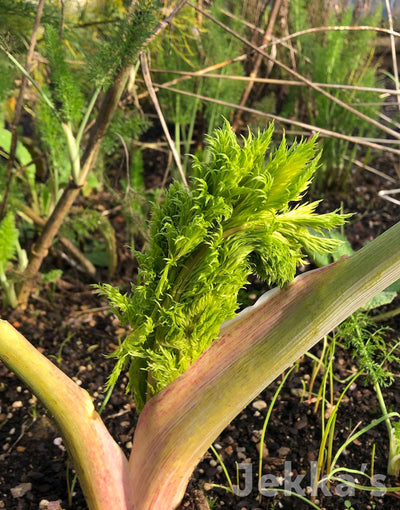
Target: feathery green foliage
<point>124,43</point>
<point>6,78</point>
<point>81,229</point>
<point>240,217</point>
<point>65,87</point>
<point>63,98</point>
<point>373,352</point>
<point>219,46</point>
<point>53,139</point>
<point>128,124</point>
<point>369,347</point>
<point>191,44</point>
<point>17,17</point>
<point>337,57</point>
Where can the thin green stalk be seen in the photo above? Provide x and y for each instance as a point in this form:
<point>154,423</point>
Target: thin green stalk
<point>73,150</point>
<point>22,256</point>
<point>330,445</point>
<point>189,137</point>
<point>222,464</point>
<point>394,456</point>
<point>383,407</point>
<point>88,111</point>
<point>299,496</point>
<point>386,315</point>
<point>318,363</point>
<point>266,421</point>
<point>9,290</point>
<point>327,430</point>
<point>34,83</point>
<point>322,390</point>
<point>372,470</point>
<point>178,127</point>
<point>374,423</point>
<point>363,487</point>
<point>106,399</point>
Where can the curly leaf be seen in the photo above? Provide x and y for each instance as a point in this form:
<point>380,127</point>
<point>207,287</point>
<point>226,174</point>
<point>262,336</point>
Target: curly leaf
<point>239,217</point>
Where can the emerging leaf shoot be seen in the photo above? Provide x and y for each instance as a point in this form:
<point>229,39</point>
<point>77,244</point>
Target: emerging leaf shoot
<point>241,216</point>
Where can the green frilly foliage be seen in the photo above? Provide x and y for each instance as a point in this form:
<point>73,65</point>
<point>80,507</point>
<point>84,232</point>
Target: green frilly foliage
<point>337,57</point>
<point>17,18</point>
<point>8,248</point>
<point>66,89</point>
<point>241,216</point>
<point>191,45</point>
<point>370,346</point>
<point>123,44</point>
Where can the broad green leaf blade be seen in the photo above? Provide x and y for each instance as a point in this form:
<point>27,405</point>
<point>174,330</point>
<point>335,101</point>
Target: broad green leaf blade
<point>8,241</point>
<point>23,155</point>
<point>383,298</point>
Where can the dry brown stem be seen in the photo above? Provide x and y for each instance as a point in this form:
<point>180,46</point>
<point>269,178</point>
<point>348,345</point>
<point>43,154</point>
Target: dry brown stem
<point>257,63</point>
<point>303,125</point>
<point>153,96</point>
<point>393,49</point>
<point>300,77</point>
<point>63,206</point>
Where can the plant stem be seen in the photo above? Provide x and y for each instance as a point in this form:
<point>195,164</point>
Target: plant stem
<point>382,405</point>
<point>298,75</point>
<point>177,426</point>
<point>386,315</point>
<point>9,290</point>
<point>266,38</point>
<point>87,162</point>
<point>393,465</point>
<point>71,192</point>
<point>101,466</point>
<point>27,212</point>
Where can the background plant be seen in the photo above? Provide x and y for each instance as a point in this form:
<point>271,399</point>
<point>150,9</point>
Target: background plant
<point>62,116</point>
<point>334,57</point>
<point>195,42</point>
<point>374,354</point>
<point>278,58</point>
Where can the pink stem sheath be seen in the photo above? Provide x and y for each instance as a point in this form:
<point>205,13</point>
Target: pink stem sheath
<point>177,426</point>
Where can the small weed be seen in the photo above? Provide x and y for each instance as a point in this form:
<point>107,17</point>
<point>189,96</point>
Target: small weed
<point>58,358</point>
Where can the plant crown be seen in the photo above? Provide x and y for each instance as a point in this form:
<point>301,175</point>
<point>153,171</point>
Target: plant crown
<point>240,217</point>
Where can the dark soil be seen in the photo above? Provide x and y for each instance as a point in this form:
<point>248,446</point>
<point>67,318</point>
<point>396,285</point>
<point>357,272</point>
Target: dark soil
<point>73,326</point>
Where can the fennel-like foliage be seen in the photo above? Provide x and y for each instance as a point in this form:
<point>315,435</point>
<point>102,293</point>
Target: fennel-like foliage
<point>241,216</point>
